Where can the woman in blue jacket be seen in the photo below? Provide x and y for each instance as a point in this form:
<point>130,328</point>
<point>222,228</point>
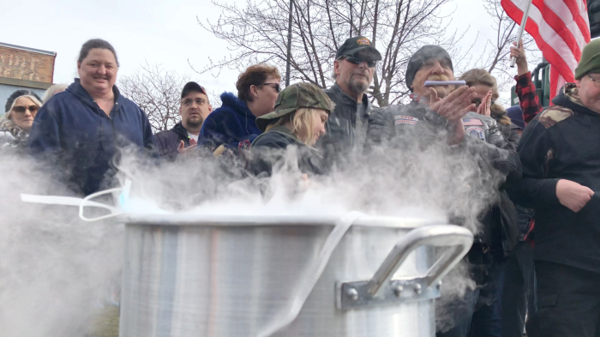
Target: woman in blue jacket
<point>82,128</point>
<point>233,125</point>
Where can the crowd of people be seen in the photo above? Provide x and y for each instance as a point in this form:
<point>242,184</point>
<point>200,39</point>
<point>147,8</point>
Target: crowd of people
<point>538,252</point>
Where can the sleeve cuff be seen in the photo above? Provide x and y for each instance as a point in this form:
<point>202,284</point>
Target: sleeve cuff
<point>523,79</point>
<point>548,192</point>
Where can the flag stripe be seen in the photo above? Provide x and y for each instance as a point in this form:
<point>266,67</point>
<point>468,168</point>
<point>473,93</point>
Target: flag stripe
<point>554,31</point>
<point>547,40</point>
<point>565,18</point>
<point>561,31</point>
<point>580,17</point>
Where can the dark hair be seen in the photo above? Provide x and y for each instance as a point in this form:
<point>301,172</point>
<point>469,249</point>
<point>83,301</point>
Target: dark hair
<point>96,43</point>
<point>254,75</point>
<point>16,95</point>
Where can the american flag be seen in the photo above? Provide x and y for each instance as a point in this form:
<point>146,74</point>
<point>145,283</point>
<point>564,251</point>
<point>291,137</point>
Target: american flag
<point>560,28</point>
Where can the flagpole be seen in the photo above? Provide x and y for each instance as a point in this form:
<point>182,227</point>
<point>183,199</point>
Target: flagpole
<point>513,60</point>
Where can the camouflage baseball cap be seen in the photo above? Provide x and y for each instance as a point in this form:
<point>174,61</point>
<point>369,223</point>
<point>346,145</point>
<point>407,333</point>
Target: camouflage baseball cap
<point>294,97</point>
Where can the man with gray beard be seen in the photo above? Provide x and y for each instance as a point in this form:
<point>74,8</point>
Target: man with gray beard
<point>194,109</point>
<point>354,67</point>
<point>443,116</point>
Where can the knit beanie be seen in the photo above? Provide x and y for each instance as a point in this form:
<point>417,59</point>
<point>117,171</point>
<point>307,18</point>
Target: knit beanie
<point>420,57</point>
<point>16,95</point>
<point>590,60</point>
<point>516,116</point>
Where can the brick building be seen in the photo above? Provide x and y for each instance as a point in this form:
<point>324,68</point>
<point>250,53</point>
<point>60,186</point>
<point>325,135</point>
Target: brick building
<point>24,68</point>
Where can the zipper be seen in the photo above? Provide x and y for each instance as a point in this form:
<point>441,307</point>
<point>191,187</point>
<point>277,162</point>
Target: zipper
<point>112,124</point>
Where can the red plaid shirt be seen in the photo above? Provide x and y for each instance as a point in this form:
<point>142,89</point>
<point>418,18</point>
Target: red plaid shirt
<point>528,98</point>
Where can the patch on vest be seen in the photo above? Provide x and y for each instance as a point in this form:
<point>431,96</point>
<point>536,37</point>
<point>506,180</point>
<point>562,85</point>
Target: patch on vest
<point>406,120</point>
<point>476,132</point>
<point>472,121</point>
<point>553,115</point>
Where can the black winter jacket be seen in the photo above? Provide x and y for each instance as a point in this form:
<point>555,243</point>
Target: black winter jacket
<point>403,125</point>
<point>408,121</point>
<point>562,142</point>
<point>346,127</point>
<point>269,151</point>
<point>168,141</point>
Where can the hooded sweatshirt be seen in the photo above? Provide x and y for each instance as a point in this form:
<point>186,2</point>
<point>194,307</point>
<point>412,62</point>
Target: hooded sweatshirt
<point>74,132</point>
<point>231,125</point>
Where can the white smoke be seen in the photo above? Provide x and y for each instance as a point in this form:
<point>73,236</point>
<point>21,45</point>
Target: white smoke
<point>56,269</point>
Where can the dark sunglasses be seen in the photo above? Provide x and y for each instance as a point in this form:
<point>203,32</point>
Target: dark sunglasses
<point>354,60</point>
<point>478,101</point>
<point>275,86</point>
<point>21,109</point>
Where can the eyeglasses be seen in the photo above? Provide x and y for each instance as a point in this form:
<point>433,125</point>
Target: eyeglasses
<point>354,60</point>
<point>21,109</point>
<point>275,86</point>
<point>596,81</point>
<point>189,102</point>
<point>477,102</point>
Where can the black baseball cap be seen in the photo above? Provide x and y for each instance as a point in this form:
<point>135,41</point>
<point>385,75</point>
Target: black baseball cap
<point>355,44</point>
<point>192,86</point>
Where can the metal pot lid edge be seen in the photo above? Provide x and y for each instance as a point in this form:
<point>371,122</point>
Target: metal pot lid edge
<point>270,220</point>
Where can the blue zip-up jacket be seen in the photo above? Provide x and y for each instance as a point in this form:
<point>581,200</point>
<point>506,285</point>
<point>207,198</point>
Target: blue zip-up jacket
<point>229,124</point>
<point>71,130</point>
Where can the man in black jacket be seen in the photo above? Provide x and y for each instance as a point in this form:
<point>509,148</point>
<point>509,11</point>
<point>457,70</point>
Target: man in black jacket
<point>560,152</point>
<point>194,109</point>
<point>353,68</point>
<point>444,114</point>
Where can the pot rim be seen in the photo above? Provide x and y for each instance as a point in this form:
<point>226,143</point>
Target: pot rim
<point>270,220</point>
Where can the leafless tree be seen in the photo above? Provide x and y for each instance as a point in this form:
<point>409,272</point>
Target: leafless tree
<point>157,91</point>
<point>257,32</point>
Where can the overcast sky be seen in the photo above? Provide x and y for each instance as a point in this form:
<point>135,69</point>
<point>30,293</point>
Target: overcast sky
<point>159,32</point>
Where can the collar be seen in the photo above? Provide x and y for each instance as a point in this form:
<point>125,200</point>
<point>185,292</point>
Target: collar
<point>284,131</point>
<point>418,99</point>
<point>77,89</point>
<point>350,101</point>
<point>336,87</point>
<point>569,98</point>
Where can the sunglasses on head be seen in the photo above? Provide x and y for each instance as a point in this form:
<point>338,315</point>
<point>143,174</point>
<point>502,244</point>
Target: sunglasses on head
<point>355,60</point>
<point>21,109</point>
<point>275,86</point>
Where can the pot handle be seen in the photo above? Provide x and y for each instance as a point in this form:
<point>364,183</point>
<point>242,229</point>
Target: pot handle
<point>458,239</point>
<point>87,202</point>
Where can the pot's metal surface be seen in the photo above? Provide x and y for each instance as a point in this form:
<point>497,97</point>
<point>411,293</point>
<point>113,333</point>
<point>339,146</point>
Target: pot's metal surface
<point>186,278</point>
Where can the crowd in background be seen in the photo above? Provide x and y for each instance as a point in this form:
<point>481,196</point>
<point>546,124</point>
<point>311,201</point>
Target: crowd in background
<point>549,159</point>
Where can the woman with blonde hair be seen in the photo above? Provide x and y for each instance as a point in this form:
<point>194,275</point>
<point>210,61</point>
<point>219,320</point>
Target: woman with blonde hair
<point>485,101</point>
<point>21,108</point>
<point>301,112</point>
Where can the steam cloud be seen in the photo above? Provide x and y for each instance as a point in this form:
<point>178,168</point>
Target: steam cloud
<point>54,268</point>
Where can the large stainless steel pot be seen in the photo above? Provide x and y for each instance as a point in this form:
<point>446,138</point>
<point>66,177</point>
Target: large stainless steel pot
<point>283,276</point>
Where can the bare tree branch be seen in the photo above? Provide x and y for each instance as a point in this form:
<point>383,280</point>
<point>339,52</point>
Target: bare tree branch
<point>157,92</point>
<point>257,31</point>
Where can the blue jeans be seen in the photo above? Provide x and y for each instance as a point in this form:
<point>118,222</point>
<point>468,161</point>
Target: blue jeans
<point>519,290</point>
